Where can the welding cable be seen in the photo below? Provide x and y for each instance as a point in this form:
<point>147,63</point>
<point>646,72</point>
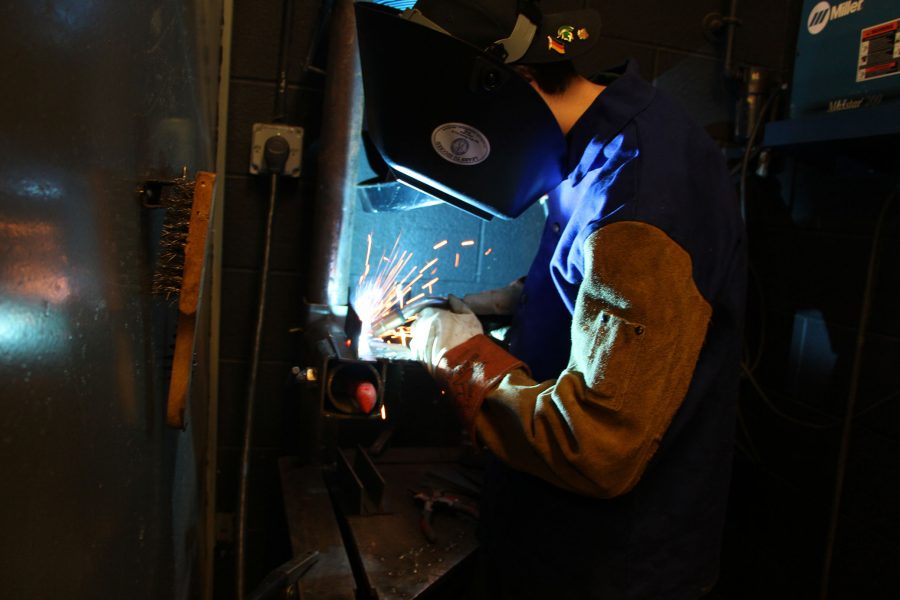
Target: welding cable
<point>877,404</point>
<point>764,396</point>
<point>750,450</point>
<point>241,537</point>
<point>324,14</point>
<point>761,298</point>
<point>853,394</point>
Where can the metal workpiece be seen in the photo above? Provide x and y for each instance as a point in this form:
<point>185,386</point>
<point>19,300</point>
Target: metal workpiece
<point>347,387</point>
<point>339,150</point>
<point>98,96</point>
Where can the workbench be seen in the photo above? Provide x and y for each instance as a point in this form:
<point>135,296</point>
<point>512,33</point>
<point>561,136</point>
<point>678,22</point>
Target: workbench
<point>383,555</point>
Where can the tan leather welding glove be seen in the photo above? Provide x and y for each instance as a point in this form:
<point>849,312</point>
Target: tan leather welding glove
<point>498,301</point>
<point>438,330</point>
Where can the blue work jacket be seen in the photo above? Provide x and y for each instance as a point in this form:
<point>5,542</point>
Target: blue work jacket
<point>633,156</point>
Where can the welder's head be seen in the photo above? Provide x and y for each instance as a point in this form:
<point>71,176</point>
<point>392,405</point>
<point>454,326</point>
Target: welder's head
<point>448,108</point>
<point>542,46</point>
<point>516,31</point>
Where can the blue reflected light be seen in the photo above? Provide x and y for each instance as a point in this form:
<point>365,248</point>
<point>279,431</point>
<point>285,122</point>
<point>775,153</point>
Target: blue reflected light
<point>28,330</point>
<point>32,188</point>
<point>64,23</point>
<point>41,190</point>
<point>74,15</point>
<point>398,4</point>
<point>812,358</point>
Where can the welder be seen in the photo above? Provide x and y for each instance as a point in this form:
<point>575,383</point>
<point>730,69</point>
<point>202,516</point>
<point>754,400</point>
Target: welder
<point>609,420</point>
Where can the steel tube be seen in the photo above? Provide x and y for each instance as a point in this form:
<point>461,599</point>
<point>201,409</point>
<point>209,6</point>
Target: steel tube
<point>340,144</point>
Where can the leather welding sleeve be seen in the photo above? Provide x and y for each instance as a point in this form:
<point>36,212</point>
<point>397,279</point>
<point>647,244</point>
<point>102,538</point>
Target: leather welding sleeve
<point>638,327</point>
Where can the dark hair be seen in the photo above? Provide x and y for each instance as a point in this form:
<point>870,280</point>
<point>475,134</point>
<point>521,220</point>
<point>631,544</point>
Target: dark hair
<point>552,78</point>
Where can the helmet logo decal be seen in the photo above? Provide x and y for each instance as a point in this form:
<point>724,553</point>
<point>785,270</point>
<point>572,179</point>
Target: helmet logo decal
<point>583,34</point>
<point>460,144</point>
<point>459,147</point>
<point>566,33</point>
<point>555,46</point>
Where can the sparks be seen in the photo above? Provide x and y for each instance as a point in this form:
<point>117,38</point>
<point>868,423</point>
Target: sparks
<point>386,288</point>
<point>383,413</point>
<point>368,255</point>
<point>439,245</point>
<point>488,251</point>
<point>456,262</point>
<point>467,243</point>
<point>428,265</point>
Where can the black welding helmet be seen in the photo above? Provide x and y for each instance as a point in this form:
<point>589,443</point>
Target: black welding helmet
<point>445,111</point>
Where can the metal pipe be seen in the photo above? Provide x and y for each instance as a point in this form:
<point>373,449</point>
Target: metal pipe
<point>284,49</point>
<point>340,145</point>
<point>731,21</point>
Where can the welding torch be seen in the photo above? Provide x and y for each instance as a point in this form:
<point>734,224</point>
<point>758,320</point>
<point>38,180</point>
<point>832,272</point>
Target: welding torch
<point>400,316</point>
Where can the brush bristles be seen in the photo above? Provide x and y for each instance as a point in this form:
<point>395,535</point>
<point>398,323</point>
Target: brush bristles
<point>178,202</point>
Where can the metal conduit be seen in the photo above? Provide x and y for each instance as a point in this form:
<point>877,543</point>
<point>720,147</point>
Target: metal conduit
<point>340,144</point>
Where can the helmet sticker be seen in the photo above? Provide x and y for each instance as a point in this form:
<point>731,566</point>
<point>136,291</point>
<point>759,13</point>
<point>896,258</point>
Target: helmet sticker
<point>555,46</point>
<point>566,33</point>
<point>583,34</point>
<point>460,144</point>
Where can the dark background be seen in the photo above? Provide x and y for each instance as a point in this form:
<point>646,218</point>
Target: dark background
<point>810,222</point>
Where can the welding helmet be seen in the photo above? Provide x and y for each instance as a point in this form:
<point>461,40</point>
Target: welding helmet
<point>447,114</point>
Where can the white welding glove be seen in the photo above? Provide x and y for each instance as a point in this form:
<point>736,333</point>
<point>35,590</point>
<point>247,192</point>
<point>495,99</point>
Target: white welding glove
<point>499,301</point>
<point>438,330</point>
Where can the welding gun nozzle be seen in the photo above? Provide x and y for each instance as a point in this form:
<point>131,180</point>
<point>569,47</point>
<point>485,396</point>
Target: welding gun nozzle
<point>392,321</point>
<point>399,316</point>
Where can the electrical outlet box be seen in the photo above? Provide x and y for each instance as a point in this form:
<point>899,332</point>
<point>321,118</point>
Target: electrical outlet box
<point>262,132</point>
